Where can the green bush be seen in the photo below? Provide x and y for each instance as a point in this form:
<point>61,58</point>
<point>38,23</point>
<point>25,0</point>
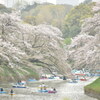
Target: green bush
<point>67,41</point>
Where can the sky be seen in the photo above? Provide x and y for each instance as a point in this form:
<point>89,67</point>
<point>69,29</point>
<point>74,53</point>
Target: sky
<point>72,2</point>
<point>69,1</point>
<point>2,1</point>
<point>81,1</point>
<point>52,1</point>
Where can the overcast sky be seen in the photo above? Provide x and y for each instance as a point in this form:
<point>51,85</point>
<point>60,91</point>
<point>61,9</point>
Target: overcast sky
<point>73,2</point>
<point>2,1</point>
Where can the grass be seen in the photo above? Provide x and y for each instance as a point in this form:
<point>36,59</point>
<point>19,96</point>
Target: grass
<point>65,99</point>
<point>32,72</point>
<point>9,74</point>
<point>67,41</point>
<point>95,86</point>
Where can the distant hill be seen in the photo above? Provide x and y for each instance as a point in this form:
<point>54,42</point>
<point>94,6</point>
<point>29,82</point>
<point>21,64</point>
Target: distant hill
<point>4,9</point>
<point>46,13</point>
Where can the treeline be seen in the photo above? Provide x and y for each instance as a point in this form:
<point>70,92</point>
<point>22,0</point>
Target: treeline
<point>74,19</point>
<point>4,9</point>
<point>46,13</point>
<point>66,17</point>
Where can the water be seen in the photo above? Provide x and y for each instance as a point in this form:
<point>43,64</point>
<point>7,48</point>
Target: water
<point>68,90</point>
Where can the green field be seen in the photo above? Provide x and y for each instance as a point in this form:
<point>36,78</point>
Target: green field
<point>95,86</point>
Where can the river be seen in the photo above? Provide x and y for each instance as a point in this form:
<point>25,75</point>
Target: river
<point>73,91</point>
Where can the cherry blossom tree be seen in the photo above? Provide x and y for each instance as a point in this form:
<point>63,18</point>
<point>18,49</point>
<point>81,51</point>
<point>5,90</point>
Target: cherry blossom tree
<point>24,44</point>
<point>84,52</point>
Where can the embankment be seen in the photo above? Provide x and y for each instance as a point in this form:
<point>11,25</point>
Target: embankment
<point>93,89</point>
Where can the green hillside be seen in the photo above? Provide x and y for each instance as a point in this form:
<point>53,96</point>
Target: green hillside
<point>4,9</point>
<point>46,13</point>
<point>95,86</point>
<point>74,19</point>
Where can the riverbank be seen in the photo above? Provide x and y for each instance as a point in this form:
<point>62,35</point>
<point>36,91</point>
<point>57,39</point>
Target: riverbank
<point>93,89</point>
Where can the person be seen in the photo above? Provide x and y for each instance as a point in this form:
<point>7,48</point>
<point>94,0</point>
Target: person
<point>11,91</point>
<point>1,89</point>
<point>64,77</point>
<point>40,87</point>
<point>43,86</point>
<point>54,89</point>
